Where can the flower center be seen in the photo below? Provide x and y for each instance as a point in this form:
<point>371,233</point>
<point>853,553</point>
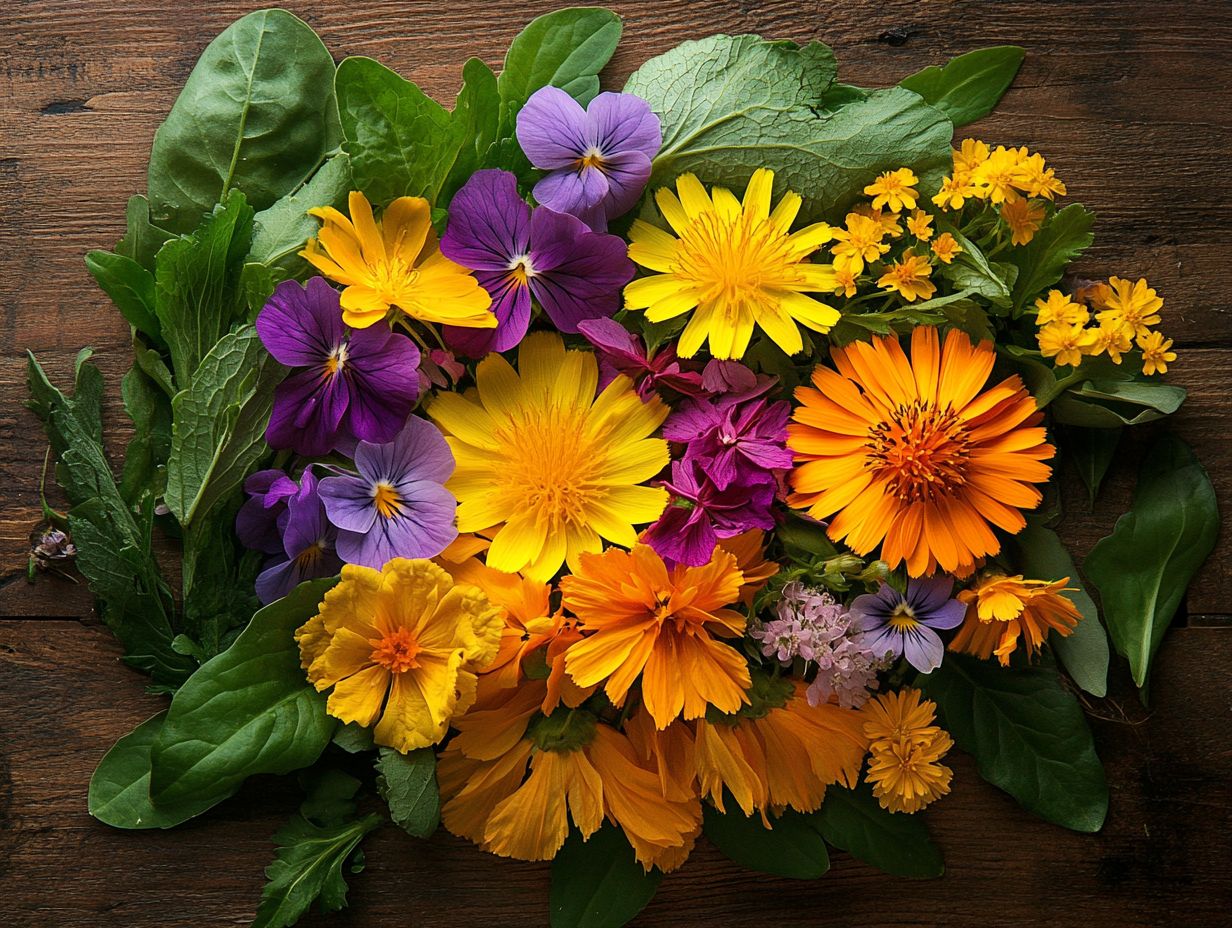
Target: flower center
<point>903,619</point>
<point>392,278</point>
<point>521,270</point>
<point>311,556</point>
<point>922,452</point>
<point>396,652</point>
<point>336,360</point>
<point>387,500</point>
<point>591,158</point>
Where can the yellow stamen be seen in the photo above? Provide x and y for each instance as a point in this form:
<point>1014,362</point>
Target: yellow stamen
<point>387,501</point>
<point>903,619</point>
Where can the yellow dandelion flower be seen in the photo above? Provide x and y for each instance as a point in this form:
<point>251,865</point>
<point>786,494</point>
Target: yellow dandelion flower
<point>1155,353</point>
<point>1112,339</point>
<point>1036,180</point>
<point>909,277</point>
<point>969,156</point>
<point>1066,343</point>
<point>994,179</point>
<point>1135,306</point>
<point>946,248</point>
<point>904,750</point>
<point>395,262</point>
<point>954,192</point>
<point>894,189</point>
<point>1057,307</point>
<point>920,224</point>
<point>858,243</point>
<point>546,465</point>
<point>1024,219</point>
<point>1003,610</point>
<point>734,264</point>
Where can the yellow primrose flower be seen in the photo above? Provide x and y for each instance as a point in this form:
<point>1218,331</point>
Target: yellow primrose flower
<point>946,247</point>
<point>1134,306</point>
<point>1024,219</point>
<point>994,178</point>
<point>909,277</point>
<point>400,646</point>
<point>859,242</point>
<point>894,189</point>
<point>736,265</point>
<point>1066,343</point>
<point>954,192</point>
<point>969,156</point>
<point>1155,353</point>
<point>1058,307</point>
<point>920,225</point>
<point>1110,338</point>
<point>1035,180</point>
<point>844,281</point>
<point>394,262</point>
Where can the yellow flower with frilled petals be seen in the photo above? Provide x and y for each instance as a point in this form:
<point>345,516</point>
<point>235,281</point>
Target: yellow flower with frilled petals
<point>904,751</point>
<point>1003,611</point>
<point>1132,305</point>
<point>946,248</point>
<point>894,190</point>
<point>995,178</point>
<point>909,277</point>
<point>858,243</point>
<point>1024,219</point>
<point>920,224</point>
<point>1066,343</point>
<point>1156,353</point>
<point>1057,307</point>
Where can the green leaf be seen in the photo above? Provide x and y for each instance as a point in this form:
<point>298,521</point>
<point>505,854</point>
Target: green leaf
<point>1027,733</point>
<point>1110,404</point>
<point>197,284</point>
<point>1042,261</point>
<point>1143,568</point>
<point>475,119</point>
<point>805,539</point>
<point>565,49</point>
<point>131,288</point>
<point>968,87</point>
<point>120,787</point>
<point>282,230</point>
<point>248,711</point>
<point>598,883</point>
<point>853,821</point>
<point>256,114</point>
<point>973,273</point>
<point>1039,554</point>
<point>149,408</point>
<point>407,783</point>
<point>790,848</point>
<point>732,104</point>
<point>220,576</point>
<point>1092,451</point>
<point>142,239</point>
<point>353,738</point>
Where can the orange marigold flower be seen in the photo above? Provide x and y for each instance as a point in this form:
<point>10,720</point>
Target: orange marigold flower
<point>909,454</point>
<point>909,277</point>
<point>946,248</point>
<point>1002,610</point>
<point>904,750</point>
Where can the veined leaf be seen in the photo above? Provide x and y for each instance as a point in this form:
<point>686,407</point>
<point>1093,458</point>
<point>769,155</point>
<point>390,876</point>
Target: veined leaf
<point>407,783</point>
<point>1042,261</point>
<point>853,821</point>
<point>476,120</point>
<point>967,88</point>
<point>282,230</point>
<point>566,49</point>
<point>1111,403</point>
<point>131,288</point>
<point>791,847</point>
<point>142,238</point>
<point>598,883</point>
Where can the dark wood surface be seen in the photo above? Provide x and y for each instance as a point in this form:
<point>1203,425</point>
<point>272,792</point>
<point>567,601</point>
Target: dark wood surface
<point>1131,102</point>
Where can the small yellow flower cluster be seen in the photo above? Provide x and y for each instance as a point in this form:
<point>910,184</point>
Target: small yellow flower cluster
<point>1124,312</point>
<point>905,749</point>
<point>1012,179</point>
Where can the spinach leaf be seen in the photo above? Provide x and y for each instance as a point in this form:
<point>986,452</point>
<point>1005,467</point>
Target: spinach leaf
<point>967,88</point>
<point>142,238</point>
<point>853,821</point>
<point>281,230</point>
<point>407,783</point>
<point>131,288</point>
<point>790,847</point>
<point>598,883</point>
<point>1111,403</point>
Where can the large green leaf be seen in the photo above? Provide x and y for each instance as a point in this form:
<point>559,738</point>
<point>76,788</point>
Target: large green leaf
<point>565,49</point>
<point>407,783</point>
<point>1027,733</point>
<point>1092,451</point>
<point>853,821</point>
<point>1042,261</point>
<point>247,711</point>
<point>256,114</point>
<point>790,848</point>
<point>131,288</point>
<point>1112,403</point>
<point>1143,568</point>
<point>967,88</point>
<point>281,230</point>
<point>476,121</point>
<point>598,883</point>
<point>732,104</point>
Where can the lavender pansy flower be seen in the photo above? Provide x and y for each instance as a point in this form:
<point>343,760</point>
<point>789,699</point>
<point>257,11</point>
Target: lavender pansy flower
<point>307,546</point>
<point>348,384</point>
<point>597,159</point>
<point>396,505</point>
<point>622,352</point>
<point>738,441</point>
<point>518,253</point>
<point>907,624</point>
<point>261,519</point>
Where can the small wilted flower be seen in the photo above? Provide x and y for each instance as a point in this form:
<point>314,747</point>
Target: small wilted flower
<point>52,547</point>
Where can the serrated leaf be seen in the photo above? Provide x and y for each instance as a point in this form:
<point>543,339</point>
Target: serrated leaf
<point>968,87</point>
<point>407,783</point>
<point>281,230</point>
<point>598,883</point>
<point>853,821</point>
<point>1042,261</point>
<point>791,847</point>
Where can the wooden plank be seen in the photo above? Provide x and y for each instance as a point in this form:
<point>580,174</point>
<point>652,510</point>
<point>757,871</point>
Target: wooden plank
<point>1162,858</point>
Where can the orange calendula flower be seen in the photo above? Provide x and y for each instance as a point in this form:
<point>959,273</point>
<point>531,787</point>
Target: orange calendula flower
<point>394,262</point>
<point>894,190</point>
<point>946,248</point>
<point>920,224</point>
<point>909,277</point>
<point>1131,305</point>
<point>1003,611</point>
<point>1066,343</point>
<point>1156,353</point>
<point>1057,307</point>
<point>858,243</point>
<point>909,454</point>
<point>750,553</point>
<point>1024,219</point>
<point>904,750</point>
<point>639,618</point>
<point>400,647</point>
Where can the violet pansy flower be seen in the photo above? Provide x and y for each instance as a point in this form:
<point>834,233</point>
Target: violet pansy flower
<point>307,544</point>
<point>261,519</point>
<point>518,253</point>
<point>348,384</point>
<point>396,505</point>
<point>622,352</point>
<point>597,159</point>
<point>907,624</point>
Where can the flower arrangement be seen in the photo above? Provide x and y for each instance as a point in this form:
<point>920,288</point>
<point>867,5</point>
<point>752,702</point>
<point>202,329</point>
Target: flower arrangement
<point>587,472</point>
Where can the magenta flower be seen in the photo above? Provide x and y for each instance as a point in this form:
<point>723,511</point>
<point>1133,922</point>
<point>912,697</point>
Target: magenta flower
<point>733,441</point>
<point>622,352</point>
<point>396,505</point>
<point>597,159</point>
<point>349,384</point>
<point>906,624</point>
<point>518,253</point>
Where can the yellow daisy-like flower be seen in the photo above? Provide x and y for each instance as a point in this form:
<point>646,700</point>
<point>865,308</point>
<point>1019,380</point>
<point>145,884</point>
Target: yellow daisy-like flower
<point>1066,343</point>
<point>401,647</point>
<point>734,264</point>
<point>546,465</point>
<point>955,191</point>
<point>1111,339</point>
<point>887,220</point>
<point>909,278</point>
<point>1024,219</point>
<point>905,747</point>
<point>995,178</point>
<point>858,243</point>
<point>1003,610</point>
<point>394,262</point>
<point>1057,307</point>
<point>1036,180</point>
<point>844,281</point>
<point>920,224</point>
<point>1155,353</point>
<point>946,248</point>
<point>894,189</point>
<point>1133,306</point>
<point>969,156</point>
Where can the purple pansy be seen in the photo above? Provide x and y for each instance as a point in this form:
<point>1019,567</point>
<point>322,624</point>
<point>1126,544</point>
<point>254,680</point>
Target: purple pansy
<point>307,548</point>
<point>518,253</point>
<point>396,505</point>
<point>741,441</point>
<point>260,520</point>
<point>700,514</point>
<point>621,352</point>
<point>597,159</point>
<point>349,384</point>
<point>907,624</point>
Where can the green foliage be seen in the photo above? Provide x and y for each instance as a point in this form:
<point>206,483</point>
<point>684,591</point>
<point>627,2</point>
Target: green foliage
<point>313,847</point>
<point>972,273</point>
<point>791,847</point>
<point>131,288</point>
<point>281,230</point>
<point>598,883</point>
<point>142,238</point>
<point>407,783</point>
<point>149,408</point>
<point>732,104</point>
<point>1042,261</point>
<point>967,88</point>
<point>257,114</point>
<point>1027,733</point>
<point>1092,451</point>
<point>247,711</point>
<point>1109,403</point>
<point>1143,568</point>
<point>476,117</point>
<point>853,821</point>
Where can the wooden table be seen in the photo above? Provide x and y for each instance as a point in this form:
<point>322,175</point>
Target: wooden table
<point>1131,102</point>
